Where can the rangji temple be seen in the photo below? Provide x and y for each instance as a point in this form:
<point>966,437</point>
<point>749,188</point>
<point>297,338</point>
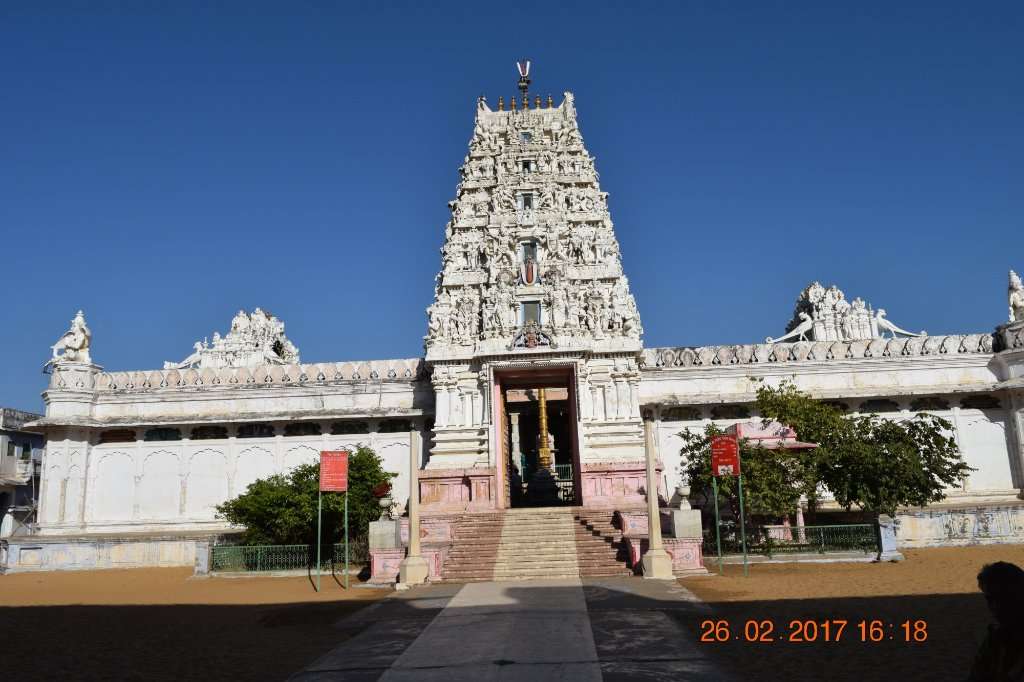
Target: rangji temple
<point>526,410</point>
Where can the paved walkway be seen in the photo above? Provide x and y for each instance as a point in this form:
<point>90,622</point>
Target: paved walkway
<point>566,629</point>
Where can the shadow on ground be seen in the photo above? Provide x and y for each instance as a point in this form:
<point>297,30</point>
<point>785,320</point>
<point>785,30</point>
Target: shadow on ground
<point>188,642</point>
<point>639,629</point>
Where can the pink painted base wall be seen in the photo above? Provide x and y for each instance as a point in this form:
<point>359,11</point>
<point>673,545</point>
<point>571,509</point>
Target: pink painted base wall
<point>444,491</point>
<point>687,558</point>
<point>617,485</point>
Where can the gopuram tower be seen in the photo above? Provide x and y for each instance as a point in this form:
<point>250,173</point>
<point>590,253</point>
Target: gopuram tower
<point>533,324</point>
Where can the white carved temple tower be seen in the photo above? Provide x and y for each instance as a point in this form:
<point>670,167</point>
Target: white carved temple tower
<point>532,295</point>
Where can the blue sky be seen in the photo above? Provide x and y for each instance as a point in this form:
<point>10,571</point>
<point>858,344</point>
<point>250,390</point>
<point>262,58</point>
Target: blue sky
<point>164,164</point>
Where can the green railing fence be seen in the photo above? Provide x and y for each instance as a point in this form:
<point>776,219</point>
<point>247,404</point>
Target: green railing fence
<point>259,558</point>
<point>770,540</point>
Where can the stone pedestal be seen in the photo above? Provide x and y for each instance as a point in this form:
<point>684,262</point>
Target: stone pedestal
<point>681,523</point>
<point>384,534</point>
<point>887,539</point>
<point>413,571</point>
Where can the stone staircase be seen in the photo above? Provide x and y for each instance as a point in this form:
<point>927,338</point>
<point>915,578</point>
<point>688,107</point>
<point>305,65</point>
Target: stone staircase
<point>523,544</point>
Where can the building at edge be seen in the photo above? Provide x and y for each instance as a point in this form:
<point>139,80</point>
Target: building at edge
<point>532,389</point>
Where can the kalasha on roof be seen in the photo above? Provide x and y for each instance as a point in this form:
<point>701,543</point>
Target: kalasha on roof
<point>771,436</point>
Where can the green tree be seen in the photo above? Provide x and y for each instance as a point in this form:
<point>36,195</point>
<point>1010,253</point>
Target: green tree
<point>282,509</point>
<point>865,461</point>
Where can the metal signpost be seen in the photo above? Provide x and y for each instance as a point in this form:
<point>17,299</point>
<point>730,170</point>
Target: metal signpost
<point>725,461</point>
<point>333,479</point>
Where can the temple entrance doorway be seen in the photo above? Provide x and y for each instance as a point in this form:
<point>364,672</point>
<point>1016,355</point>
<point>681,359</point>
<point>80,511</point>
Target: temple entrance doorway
<point>539,437</point>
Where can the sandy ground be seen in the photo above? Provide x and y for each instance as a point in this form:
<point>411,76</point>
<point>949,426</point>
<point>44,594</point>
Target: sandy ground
<point>937,586</point>
<point>162,624</point>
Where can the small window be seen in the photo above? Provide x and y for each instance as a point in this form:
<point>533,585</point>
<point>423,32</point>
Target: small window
<point>980,402</point>
<point>525,201</point>
<point>929,403</point>
<point>209,432</point>
<point>255,431</point>
<point>680,414</point>
<point>525,137</point>
<point>118,436</point>
<point>26,451</point>
<point>530,251</point>
<point>879,405</point>
<point>349,427</point>
<point>302,429</point>
<point>394,426</point>
<point>530,312</point>
<point>730,412</point>
<point>10,449</point>
<point>527,165</point>
<point>162,434</point>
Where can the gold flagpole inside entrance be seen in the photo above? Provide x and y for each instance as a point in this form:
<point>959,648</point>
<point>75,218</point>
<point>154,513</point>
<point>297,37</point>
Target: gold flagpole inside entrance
<point>544,456</point>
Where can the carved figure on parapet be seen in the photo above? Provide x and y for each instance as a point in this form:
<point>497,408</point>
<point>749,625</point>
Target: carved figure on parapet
<point>73,345</point>
<point>256,339</point>
<point>1015,294</point>
<point>799,332</point>
<point>885,324</point>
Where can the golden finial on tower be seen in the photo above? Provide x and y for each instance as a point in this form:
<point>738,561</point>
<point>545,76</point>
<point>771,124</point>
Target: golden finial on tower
<point>512,103</point>
<point>536,102</point>
<point>501,103</point>
<point>551,102</point>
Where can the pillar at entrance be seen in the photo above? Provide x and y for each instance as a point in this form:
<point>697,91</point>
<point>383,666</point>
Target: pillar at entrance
<point>517,450</point>
<point>414,570</point>
<point>656,562</point>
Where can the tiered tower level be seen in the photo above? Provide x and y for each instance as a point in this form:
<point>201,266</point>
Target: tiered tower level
<point>531,271</point>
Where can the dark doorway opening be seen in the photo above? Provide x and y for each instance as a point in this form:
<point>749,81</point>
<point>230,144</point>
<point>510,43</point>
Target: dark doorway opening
<point>533,477</point>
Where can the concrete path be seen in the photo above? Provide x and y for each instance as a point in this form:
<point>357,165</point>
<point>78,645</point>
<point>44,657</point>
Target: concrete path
<point>564,629</point>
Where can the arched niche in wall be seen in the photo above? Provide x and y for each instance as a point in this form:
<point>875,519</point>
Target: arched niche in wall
<point>160,486</point>
<point>207,483</point>
<point>253,464</point>
<point>114,487</point>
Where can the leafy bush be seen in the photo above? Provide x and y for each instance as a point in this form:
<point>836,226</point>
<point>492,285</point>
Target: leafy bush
<point>282,509</point>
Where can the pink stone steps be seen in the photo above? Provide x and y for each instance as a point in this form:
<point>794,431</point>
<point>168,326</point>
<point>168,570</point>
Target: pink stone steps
<point>524,544</point>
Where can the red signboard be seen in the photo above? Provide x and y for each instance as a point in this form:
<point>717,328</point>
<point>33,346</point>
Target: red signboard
<point>725,456</point>
<point>333,471</point>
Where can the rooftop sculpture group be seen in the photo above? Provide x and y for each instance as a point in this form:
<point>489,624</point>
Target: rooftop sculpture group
<point>256,339</point>
<point>825,315</point>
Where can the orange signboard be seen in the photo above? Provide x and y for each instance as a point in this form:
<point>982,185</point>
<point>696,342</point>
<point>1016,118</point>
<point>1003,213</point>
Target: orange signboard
<point>725,456</point>
<point>333,471</point>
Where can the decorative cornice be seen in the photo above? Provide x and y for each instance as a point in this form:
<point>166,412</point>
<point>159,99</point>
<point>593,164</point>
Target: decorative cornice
<point>816,351</point>
<point>261,376</point>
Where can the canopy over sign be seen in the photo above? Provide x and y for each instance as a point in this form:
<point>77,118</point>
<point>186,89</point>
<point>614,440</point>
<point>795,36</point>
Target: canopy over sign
<point>725,456</point>
<point>333,471</point>
<point>771,435</point>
